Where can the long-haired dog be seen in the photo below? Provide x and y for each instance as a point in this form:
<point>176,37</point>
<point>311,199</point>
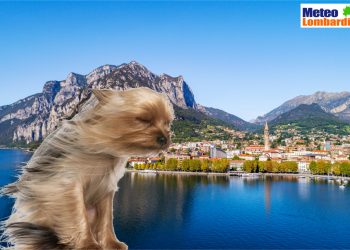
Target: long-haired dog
<point>64,195</point>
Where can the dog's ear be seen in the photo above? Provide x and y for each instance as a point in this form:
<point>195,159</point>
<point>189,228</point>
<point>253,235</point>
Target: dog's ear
<point>103,95</point>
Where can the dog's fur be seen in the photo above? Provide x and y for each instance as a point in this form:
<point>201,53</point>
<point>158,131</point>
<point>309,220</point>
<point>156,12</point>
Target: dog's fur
<point>64,195</point>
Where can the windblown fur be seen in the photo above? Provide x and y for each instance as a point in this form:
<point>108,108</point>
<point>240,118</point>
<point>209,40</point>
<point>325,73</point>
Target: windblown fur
<point>65,193</point>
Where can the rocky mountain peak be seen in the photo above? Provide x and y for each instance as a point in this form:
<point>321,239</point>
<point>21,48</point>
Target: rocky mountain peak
<point>39,115</point>
<point>331,102</point>
<point>98,73</point>
<point>75,79</point>
<point>51,87</point>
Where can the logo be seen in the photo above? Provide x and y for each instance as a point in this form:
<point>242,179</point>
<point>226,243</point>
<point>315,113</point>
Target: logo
<point>325,15</point>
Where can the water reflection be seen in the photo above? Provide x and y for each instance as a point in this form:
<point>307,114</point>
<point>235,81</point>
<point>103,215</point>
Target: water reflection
<point>147,201</point>
<point>164,211</point>
<point>267,196</point>
<point>184,211</point>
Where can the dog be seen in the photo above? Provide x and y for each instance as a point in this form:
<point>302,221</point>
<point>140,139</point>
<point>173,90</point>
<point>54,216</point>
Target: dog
<point>64,195</point>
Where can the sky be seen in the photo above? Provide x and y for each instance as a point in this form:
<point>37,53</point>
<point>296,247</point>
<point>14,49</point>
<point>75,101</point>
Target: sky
<point>245,57</point>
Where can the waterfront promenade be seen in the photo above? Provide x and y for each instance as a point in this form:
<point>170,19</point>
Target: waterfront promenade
<point>334,177</point>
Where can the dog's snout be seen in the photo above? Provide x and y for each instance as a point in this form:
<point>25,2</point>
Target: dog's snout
<point>162,140</point>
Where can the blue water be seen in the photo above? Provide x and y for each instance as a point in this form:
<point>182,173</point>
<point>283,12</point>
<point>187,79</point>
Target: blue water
<point>10,162</point>
<point>187,212</point>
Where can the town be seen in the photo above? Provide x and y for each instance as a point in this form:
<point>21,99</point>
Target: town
<point>285,150</point>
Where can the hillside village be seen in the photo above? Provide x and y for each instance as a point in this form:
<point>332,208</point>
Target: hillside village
<point>277,147</point>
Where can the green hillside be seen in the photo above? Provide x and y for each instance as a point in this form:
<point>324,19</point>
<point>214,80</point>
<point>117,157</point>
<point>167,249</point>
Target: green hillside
<point>192,125</point>
<point>306,117</point>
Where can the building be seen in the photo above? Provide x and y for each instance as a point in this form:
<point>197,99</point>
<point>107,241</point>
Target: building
<point>217,153</point>
<point>232,153</point>
<point>247,157</point>
<point>254,149</point>
<point>303,167</point>
<point>327,145</point>
<point>139,161</point>
<point>266,138</point>
<point>236,165</point>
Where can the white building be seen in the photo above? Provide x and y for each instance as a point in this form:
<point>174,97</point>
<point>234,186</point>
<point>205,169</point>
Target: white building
<point>303,167</point>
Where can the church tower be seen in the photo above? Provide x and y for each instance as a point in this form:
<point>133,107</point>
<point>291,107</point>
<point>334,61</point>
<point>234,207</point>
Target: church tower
<point>266,137</point>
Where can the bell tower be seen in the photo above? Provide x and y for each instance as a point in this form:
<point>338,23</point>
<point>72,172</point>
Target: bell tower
<point>266,137</point>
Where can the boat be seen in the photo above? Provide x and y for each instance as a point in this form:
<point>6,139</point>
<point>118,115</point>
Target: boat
<point>342,186</point>
<point>251,175</point>
<point>148,171</point>
<point>245,175</point>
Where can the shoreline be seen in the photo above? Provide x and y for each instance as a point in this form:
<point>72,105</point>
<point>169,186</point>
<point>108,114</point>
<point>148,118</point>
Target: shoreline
<point>176,172</point>
<point>23,149</point>
<point>231,174</point>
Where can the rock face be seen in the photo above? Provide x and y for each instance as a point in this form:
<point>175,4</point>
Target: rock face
<point>34,117</point>
<point>337,104</point>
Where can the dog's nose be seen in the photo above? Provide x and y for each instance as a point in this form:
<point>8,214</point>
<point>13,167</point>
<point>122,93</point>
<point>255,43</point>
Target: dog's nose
<point>161,140</point>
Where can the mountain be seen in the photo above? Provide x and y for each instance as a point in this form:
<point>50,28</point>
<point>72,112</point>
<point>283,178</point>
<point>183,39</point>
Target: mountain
<point>311,116</point>
<point>337,104</point>
<point>33,118</point>
<point>193,125</point>
<point>228,118</point>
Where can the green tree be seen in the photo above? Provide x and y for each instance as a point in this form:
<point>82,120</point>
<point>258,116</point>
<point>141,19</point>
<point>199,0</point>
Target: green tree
<point>313,167</point>
<point>236,157</point>
<point>323,167</point>
<point>336,168</point>
<point>185,165</point>
<point>345,168</point>
<point>290,166</point>
<point>261,166</point>
<point>220,165</point>
<point>205,165</point>
<point>171,164</point>
<point>249,166</point>
<point>268,166</point>
<point>275,166</point>
<point>256,163</point>
<point>195,165</point>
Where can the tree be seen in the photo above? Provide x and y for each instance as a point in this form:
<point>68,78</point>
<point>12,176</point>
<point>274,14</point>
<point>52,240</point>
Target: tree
<point>313,167</point>
<point>290,166</point>
<point>256,163</point>
<point>248,166</point>
<point>171,164</point>
<point>275,166</point>
<point>336,168</point>
<point>236,157</point>
<point>220,166</point>
<point>195,165</point>
<point>205,165</point>
<point>268,166</point>
<point>345,168</point>
<point>185,165</point>
<point>261,166</point>
<point>323,167</point>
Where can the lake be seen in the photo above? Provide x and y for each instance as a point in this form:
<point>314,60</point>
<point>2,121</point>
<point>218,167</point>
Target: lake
<point>186,212</point>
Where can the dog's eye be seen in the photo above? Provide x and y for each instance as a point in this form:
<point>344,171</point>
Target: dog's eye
<point>143,119</point>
